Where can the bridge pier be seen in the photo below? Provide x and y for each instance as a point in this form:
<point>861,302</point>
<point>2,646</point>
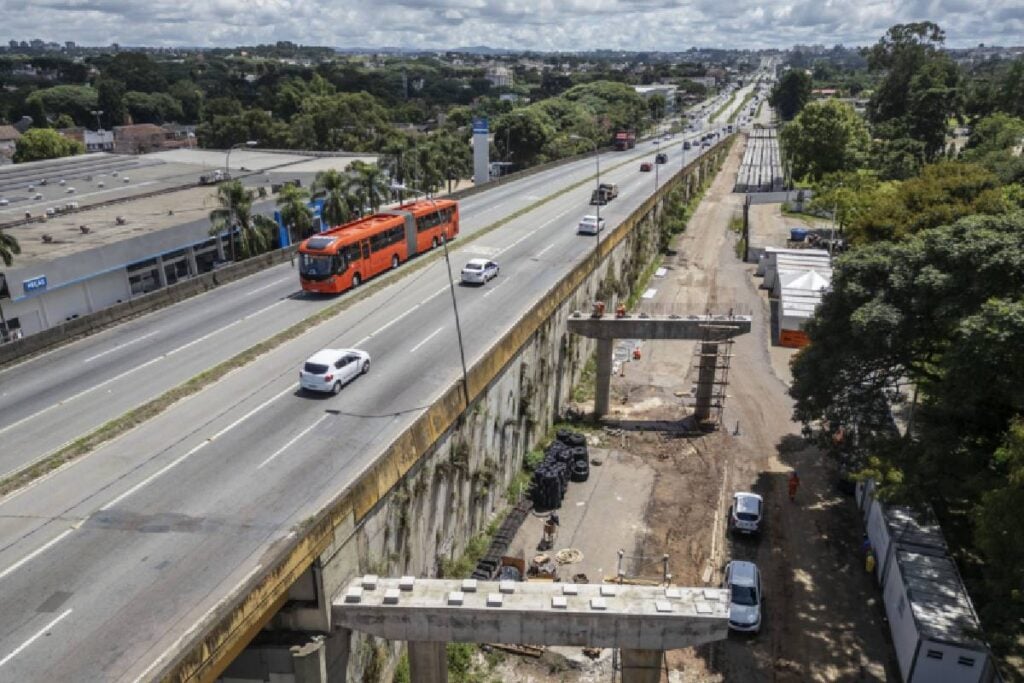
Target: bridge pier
<point>642,666</point>
<point>603,377</point>
<point>428,661</point>
<point>706,370</point>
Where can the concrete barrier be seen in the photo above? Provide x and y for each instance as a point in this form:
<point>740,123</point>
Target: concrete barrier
<point>240,616</point>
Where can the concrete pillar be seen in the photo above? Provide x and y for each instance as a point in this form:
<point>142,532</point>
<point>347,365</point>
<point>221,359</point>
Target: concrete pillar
<point>642,666</point>
<point>310,661</point>
<point>603,378</point>
<point>160,274</point>
<point>193,267</point>
<point>338,647</point>
<point>705,380</point>
<point>428,661</point>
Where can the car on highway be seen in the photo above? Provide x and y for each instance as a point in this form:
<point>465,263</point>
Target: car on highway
<point>661,158</point>
<point>3,202</point>
<point>478,271</point>
<point>646,166</point>
<point>743,579</point>
<point>590,225</point>
<point>331,369</point>
<point>746,513</point>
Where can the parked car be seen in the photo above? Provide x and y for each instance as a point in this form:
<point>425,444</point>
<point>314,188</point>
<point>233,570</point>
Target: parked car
<point>646,167</point>
<point>745,599</point>
<point>590,225</point>
<point>478,271</point>
<point>331,369</point>
<point>746,513</point>
<point>661,158</point>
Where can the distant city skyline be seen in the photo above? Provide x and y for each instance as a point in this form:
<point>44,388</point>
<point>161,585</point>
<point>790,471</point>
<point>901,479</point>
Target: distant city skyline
<point>568,25</point>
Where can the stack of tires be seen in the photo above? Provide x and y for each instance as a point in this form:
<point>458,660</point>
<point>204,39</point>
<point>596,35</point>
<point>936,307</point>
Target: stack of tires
<point>565,460</point>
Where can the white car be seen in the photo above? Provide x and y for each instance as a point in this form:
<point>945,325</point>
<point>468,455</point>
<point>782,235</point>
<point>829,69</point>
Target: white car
<point>331,369</point>
<point>746,513</point>
<point>590,225</point>
<point>3,202</point>
<point>478,271</point>
<point>744,583</point>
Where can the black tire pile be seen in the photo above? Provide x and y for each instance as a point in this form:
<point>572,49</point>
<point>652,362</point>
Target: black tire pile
<point>565,460</point>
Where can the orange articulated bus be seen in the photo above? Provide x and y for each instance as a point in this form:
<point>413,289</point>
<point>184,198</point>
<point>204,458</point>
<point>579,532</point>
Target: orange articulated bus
<point>345,256</point>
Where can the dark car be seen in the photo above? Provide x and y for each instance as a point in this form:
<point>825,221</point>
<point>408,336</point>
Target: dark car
<point>661,158</point>
<point>646,166</point>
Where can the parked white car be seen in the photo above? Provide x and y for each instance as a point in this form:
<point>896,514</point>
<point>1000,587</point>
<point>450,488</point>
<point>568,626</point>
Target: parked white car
<point>744,583</point>
<point>746,513</point>
<point>590,225</point>
<point>478,271</point>
<point>331,369</point>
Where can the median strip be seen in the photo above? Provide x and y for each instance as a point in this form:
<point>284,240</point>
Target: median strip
<point>136,416</point>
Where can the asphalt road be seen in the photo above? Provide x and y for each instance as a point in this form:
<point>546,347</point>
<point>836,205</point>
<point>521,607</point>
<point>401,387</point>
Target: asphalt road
<point>107,563</point>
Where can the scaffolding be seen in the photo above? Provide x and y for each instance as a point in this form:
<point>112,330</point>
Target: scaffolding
<point>713,358</point>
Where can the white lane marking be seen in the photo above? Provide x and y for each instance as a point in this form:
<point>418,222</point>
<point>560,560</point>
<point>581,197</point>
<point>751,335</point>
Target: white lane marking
<point>495,288</point>
<point>429,337</point>
<point>33,639</point>
<point>291,442</point>
<point>180,459</point>
<point>267,286</point>
<point>35,553</point>
<point>532,232</point>
<point>544,250</point>
<point>202,620</point>
<point>393,321</point>
<point>119,347</point>
<point>135,369</point>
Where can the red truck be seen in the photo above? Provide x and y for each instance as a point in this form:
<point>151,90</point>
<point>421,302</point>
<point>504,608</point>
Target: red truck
<point>625,139</point>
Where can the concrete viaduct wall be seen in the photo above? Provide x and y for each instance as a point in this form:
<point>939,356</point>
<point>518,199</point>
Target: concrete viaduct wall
<point>439,482</point>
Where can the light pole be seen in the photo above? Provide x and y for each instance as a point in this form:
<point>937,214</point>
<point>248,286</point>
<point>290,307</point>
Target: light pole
<point>451,287</point>
<point>97,113</point>
<point>600,196</point>
<point>227,175</point>
<point>657,151</point>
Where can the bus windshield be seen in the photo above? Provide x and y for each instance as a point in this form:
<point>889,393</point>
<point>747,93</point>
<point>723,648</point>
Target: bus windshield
<point>320,267</point>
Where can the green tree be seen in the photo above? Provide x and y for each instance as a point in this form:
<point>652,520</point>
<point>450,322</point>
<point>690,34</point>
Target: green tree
<point>1010,96</point>
<point>520,136</point>
<point>370,184</point>
<point>190,99</point>
<point>9,247</point>
<point>152,108</point>
<point>897,159</point>
<point>791,94</point>
<point>826,137</point>
<point>293,205</point>
<point>337,208</point>
<point>656,106</point>
<point>137,71</point>
<point>454,157</point>
<point>77,101</point>
<point>42,143</point>
<point>255,231</point>
<point>110,100</point>
<point>847,195</point>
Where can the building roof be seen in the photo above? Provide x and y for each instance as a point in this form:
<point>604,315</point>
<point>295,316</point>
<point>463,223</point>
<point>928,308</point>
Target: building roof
<point>8,133</point>
<point>941,607</point>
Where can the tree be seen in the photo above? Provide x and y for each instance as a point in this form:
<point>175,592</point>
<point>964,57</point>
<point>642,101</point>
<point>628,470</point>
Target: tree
<point>369,184</point>
<point>656,106</point>
<point>110,100</point>
<point>293,205</point>
<point>847,196</point>
<point>1010,96</point>
<point>337,208</point>
<point>791,93</point>
<point>152,108</point>
<point>826,137</point>
<point>897,159</point>
<point>521,135</point>
<point>42,143</point>
<point>77,101</point>
<point>9,247</point>
<point>900,53</point>
<point>190,99</point>
<point>137,71</point>
<point>255,231</point>
<point>455,157</point>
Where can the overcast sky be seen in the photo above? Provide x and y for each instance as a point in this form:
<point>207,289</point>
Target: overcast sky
<point>518,24</point>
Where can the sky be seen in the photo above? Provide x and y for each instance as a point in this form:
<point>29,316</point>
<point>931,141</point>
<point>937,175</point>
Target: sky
<point>569,25</point>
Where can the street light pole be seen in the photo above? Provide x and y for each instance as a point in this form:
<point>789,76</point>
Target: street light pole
<point>597,161</point>
<point>451,288</point>
<point>227,175</point>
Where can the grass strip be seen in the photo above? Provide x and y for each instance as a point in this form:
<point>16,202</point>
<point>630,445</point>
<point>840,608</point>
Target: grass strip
<point>120,425</point>
<point>722,108</point>
<point>749,96</point>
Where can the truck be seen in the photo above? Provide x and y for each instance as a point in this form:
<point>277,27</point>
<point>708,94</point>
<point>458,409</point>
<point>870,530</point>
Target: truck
<point>604,193</point>
<point>213,177</point>
<point>625,139</point>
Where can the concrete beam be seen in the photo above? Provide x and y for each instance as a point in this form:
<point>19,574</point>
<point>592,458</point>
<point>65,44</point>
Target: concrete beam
<point>661,327</point>
<point>621,616</point>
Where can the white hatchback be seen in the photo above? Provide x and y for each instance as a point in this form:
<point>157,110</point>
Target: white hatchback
<point>590,225</point>
<point>746,513</point>
<point>478,271</point>
<point>331,369</point>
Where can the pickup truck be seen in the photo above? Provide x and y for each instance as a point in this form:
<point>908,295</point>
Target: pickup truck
<point>604,193</point>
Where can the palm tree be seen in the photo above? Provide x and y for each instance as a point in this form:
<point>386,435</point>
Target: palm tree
<point>293,205</point>
<point>8,248</point>
<point>370,183</point>
<point>337,207</point>
<point>429,160</point>
<point>455,158</point>
<point>254,231</point>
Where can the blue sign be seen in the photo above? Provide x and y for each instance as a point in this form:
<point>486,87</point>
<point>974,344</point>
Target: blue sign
<point>36,284</point>
<point>480,126</point>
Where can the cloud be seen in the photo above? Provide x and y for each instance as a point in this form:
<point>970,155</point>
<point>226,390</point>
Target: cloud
<point>518,24</point>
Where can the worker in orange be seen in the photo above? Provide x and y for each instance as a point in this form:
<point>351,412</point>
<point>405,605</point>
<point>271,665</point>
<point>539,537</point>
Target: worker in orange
<point>620,311</point>
<point>794,484</point>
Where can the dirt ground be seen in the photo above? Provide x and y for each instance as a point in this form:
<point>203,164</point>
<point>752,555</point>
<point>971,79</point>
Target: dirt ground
<point>823,617</point>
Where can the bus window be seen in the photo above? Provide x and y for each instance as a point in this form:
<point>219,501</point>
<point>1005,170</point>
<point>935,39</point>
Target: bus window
<point>365,244</point>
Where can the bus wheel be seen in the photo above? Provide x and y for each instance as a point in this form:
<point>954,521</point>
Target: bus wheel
<point>356,280</point>
<point>394,262</point>
<point>433,243</point>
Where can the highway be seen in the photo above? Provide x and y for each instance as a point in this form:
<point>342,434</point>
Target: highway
<point>107,563</point>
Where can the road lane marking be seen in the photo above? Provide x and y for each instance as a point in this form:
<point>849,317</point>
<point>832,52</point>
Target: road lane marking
<point>288,445</point>
<point>495,288</point>
<point>120,346</point>
<point>35,553</point>
<point>34,638</point>
<point>393,321</point>
<point>544,250</point>
<point>267,286</point>
<point>195,449</point>
<point>429,337</point>
<point>135,369</point>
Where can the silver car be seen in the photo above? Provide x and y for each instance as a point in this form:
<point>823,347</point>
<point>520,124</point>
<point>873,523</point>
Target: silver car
<point>590,225</point>
<point>744,583</point>
<point>331,369</point>
<point>478,271</point>
<point>746,513</point>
